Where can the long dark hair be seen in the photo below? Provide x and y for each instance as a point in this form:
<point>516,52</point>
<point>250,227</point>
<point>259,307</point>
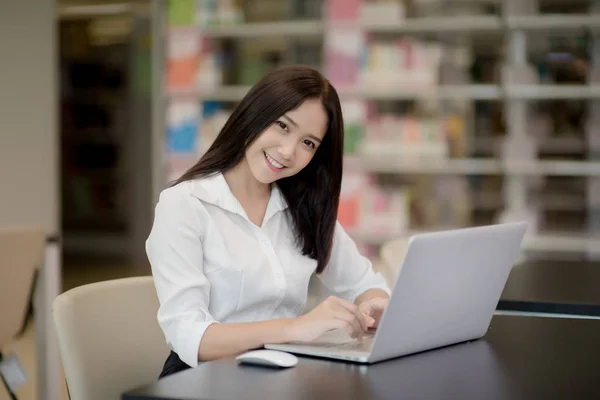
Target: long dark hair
<point>312,194</point>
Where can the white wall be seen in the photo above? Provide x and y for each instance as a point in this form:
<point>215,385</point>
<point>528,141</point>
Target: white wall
<point>29,170</point>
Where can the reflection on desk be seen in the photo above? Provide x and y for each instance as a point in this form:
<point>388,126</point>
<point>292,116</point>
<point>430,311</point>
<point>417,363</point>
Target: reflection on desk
<point>519,358</point>
<point>553,288</point>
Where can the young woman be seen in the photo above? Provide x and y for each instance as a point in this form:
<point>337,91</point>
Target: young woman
<point>236,239</point>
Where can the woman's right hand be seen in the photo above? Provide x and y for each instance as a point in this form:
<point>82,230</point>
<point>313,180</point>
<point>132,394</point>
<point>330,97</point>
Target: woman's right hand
<point>333,313</point>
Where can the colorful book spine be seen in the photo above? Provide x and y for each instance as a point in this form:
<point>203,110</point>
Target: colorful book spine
<point>183,113</point>
<point>183,121</point>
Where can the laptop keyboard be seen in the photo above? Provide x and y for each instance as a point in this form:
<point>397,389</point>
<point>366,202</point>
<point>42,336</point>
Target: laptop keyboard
<point>353,345</point>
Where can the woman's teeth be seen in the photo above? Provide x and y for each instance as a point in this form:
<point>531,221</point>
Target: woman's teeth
<point>273,162</point>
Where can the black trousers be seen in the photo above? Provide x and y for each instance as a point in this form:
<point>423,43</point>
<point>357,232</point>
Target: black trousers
<point>172,365</point>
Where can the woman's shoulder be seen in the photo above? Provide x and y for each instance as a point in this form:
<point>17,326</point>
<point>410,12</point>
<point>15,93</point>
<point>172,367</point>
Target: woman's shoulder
<point>182,196</point>
<point>195,193</point>
<point>175,193</point>
<point>176,215</point>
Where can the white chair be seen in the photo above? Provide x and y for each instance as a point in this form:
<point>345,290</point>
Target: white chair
<point>392,254</point>
<point>109,338</point>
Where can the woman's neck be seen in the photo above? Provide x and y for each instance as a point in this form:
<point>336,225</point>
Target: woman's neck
<point>244,185</point>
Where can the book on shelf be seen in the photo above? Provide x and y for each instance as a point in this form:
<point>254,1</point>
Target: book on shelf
<point>382,12</point>
<point>182,59</point>
<point>411,138</point>
<point>214,117</point>
<point>354,112</point>
<point>401,64</point>
<point>369,209</point>
<point>210,65</point>
<point>183,121</point>
<point>181,12</point>
<point>211,13</point>
<point>343,50</point>
<point>342,10</point>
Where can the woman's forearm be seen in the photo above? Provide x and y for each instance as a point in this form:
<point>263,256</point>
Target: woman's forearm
<point>229,339</point>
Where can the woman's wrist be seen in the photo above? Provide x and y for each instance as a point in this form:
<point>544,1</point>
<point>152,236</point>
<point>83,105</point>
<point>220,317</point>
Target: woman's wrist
<point>371,294</point>
<point>227,339</point>
<point>288,329</point>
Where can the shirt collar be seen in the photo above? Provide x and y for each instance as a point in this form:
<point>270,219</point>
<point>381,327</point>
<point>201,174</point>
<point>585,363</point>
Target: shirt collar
<point>214,189</point>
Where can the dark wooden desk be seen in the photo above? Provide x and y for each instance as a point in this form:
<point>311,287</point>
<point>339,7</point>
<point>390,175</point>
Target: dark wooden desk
<point>553,287</point>
<point>519,358</point>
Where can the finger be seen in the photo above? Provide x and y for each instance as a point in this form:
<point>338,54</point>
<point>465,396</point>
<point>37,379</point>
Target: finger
<point>339,315</point>
<point>356,323</point>
<point>347,316</point>
<point>365,308</point>
<point>353,308</point>
<point>369,313</point>
<point>346,326</point>
<point>376,304</point>
<point>379,304</point>
<point>374,307</point>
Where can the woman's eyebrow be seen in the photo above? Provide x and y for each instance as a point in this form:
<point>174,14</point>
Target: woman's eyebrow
<point>316,139</point>
<point>296,125</point>
<point>291,121</point>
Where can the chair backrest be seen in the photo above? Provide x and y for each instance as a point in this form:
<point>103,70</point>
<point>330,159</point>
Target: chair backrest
<point>21,253</point>
<point>392,254</point>
<point>109,337</point>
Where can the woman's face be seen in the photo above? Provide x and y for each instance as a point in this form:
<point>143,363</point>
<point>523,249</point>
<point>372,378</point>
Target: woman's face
<point>288,145</point>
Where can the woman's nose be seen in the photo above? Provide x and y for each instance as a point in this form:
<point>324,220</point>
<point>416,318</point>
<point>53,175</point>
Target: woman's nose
<point>287,150</point>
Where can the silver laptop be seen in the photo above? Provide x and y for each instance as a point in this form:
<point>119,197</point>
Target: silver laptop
<point>446,292</point>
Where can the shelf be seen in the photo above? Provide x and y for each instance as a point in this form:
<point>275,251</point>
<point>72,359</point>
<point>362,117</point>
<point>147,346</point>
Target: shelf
<point>444,92</point>
<point>316,28</point>
<point>553,92</point>
<point>75,12</point>
<point>479,166</point>
<point>448,24</point>
<point>309,28</point>
<point>554,22</point>
<point>436,24</point>
<point>223,93</point>
<point>553,168</point>
<point>385,164</point>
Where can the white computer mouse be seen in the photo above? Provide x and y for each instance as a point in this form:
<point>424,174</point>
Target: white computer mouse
<point>268,358</point>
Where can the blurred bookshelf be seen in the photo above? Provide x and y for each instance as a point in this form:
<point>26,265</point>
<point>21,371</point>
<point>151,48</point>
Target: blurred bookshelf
<point>94,99</point>
<point>105,98</point>
<point>458,112</point>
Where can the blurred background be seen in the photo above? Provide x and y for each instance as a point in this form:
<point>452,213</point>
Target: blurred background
<point>458,113</point>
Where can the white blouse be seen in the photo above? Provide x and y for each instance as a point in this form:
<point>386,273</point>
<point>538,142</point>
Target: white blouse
<point>211,264</point>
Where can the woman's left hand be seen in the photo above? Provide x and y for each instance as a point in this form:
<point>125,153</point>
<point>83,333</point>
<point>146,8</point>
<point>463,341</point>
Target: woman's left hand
<point>374,308</point>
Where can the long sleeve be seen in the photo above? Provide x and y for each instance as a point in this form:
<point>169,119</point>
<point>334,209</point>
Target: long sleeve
<point>174,249</point>
<point>349,274</point>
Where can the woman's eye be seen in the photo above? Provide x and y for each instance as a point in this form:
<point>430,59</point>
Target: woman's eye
<point>309,144</point>
<point>283,126</point>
